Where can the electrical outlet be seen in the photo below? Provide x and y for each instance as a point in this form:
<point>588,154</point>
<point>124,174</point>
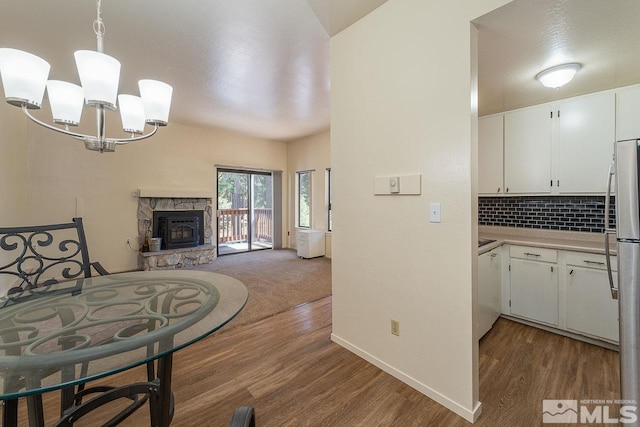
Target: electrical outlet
<point>395,327</point>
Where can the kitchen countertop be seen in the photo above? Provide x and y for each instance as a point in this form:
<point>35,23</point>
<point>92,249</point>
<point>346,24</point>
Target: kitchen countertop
<point>564,240</point>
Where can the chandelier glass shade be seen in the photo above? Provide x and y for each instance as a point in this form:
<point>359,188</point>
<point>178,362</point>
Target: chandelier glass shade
<point>24,78</point>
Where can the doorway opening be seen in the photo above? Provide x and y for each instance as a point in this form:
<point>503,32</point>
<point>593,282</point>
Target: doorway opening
<point>245,211</point>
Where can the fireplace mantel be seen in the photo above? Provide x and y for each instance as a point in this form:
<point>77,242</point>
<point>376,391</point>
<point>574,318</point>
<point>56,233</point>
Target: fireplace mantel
<point>174,193</point>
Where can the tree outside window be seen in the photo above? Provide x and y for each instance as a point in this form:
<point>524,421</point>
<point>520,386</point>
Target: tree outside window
<point>329,201</point>
<point>304,199</point>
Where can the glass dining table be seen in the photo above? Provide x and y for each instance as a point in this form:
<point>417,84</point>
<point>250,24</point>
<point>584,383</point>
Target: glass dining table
<point>62,336</point>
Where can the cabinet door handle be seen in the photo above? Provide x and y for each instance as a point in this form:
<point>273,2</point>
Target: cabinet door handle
<point>493,255</point>
<point>530,254</point>
<point>552,269</point>
<point>498,189</point>
<point>507,189</point>
<point>593,262</point>
<point>571,272</point>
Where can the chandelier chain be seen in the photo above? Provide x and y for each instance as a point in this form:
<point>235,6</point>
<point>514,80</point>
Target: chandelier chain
<point>99,27</point>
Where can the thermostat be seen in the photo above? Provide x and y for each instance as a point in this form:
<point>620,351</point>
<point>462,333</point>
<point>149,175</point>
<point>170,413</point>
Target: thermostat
<point>394,184</point>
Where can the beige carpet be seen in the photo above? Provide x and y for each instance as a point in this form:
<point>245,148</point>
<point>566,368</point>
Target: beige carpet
<point>277,280</point>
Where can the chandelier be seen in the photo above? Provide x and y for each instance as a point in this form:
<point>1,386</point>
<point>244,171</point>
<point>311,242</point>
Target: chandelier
<point>24,77</point>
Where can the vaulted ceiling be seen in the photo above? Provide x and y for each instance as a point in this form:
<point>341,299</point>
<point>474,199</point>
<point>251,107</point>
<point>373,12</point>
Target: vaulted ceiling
<point>259,67</point>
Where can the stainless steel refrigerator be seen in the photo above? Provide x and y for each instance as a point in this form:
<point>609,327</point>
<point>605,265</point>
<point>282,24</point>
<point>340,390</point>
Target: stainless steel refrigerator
<point>625,170</point>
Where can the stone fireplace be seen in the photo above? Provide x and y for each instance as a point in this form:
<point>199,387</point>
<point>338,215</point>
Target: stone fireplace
<point>183,223</point>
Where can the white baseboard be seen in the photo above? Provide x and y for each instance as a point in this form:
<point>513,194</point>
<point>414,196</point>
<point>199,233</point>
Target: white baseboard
<point>469,415</point>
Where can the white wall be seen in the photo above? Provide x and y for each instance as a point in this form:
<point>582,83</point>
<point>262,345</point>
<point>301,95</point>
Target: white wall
<point>13,174</point>
<point>310,153</point>
<point>13,166</point>
<point>62,179</point>
<point>401,90</point>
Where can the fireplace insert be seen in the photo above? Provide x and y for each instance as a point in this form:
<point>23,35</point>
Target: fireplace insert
<point>179,229</point>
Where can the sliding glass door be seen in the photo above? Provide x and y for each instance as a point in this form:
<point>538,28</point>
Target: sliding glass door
<point>245,211</point>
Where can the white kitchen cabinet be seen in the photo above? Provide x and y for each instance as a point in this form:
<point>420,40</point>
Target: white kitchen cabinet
<point>566,290</point>
<point>590,310</point>
<point>627,110</point>
<point>490,155</point>
<point>562,147</point>
<point>527,150</point>
<point>534,284</point>
<point>489,289</point>
<point>310,243</point>
<point>584,137</point>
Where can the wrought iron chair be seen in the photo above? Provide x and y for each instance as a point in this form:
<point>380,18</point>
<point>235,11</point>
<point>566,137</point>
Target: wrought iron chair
<point>40,256</point>
<point>43,255</point>
<point>243,416</point>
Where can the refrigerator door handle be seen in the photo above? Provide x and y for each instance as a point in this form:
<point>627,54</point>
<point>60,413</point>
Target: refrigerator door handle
<point>608,231</point>
<point>607,257</point>
<point>607,199</point>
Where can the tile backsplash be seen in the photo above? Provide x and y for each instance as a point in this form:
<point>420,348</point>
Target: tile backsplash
<point>567,213</point>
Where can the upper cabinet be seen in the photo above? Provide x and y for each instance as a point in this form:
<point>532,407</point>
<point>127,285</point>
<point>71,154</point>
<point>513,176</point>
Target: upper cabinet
<point>490,155</point>
<point>527,150</point>
<point>563,147</point>
<point>627,122</point>
<point>585,136</point>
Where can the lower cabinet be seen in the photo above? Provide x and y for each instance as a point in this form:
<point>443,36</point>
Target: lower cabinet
<point>489,289</point>
<point>534,284</point>
<point>563,289</point>
<point>590,309</point>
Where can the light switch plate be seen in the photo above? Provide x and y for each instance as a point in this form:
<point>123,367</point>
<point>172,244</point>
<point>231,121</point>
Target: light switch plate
<point>434,212</point>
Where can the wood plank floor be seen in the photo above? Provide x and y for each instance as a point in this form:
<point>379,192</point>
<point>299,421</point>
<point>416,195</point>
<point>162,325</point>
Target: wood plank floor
<point>287,368</point>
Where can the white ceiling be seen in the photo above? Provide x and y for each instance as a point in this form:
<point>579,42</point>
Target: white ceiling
<point>525,37</point>
<point>259,67</point>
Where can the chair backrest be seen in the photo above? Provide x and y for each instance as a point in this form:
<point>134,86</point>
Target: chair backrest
<point>42,255</point>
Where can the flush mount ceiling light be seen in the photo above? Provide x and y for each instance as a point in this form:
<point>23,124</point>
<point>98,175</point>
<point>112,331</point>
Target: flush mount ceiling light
<point>558,76</point>
<point>24,77</point>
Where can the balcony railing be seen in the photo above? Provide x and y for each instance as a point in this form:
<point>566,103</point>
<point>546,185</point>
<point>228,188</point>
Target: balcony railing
<point>233,225</point>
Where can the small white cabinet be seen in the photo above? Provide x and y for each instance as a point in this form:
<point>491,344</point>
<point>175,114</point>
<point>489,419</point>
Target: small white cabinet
<point>489,289</point>
<point>534,284</point>
<point>310,243</point>
<point>490,155</point>
<point>590,310</point>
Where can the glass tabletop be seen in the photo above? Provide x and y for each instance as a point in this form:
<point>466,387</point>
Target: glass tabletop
<point>73,332</point>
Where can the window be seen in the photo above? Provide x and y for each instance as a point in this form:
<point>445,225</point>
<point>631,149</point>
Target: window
<point>304,199</point>
<point>329,199</point>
